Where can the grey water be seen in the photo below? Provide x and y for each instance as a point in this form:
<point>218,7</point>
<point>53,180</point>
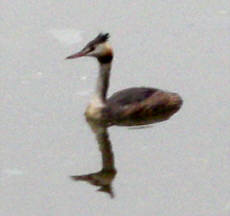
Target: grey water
<point>177,167</point>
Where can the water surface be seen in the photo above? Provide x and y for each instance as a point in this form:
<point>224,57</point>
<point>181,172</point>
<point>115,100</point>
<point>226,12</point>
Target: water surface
<point>177,167</point>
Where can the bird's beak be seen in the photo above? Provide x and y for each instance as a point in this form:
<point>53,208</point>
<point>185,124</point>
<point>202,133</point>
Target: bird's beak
<point>77,55</point>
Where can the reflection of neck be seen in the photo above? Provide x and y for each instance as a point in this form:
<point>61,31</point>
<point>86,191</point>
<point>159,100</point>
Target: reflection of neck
<point>99,98</point>
<point>105,146</point>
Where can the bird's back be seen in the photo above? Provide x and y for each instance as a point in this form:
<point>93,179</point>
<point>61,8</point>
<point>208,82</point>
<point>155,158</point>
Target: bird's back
<point>130,96</point>
<point>142,105</point>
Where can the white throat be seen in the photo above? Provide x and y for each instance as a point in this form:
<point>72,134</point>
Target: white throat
<point>99,97</point>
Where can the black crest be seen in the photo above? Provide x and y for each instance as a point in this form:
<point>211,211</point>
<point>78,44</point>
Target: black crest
<point>101,38</point>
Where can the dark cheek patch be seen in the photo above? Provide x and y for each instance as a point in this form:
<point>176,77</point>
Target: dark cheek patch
<point>105,59</point>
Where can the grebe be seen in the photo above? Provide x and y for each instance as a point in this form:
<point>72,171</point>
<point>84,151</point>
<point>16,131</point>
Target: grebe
<point>129,106</point>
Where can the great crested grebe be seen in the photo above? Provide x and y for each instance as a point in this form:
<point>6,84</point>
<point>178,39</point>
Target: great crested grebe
<point>129,106</point>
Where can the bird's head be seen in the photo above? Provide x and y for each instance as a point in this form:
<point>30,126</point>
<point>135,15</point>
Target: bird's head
<point>98,48</point>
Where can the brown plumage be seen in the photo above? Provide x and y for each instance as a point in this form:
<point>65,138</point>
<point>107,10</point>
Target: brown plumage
<point>141,106</point>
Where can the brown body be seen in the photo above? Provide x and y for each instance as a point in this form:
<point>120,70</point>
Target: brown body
<point>136,106</point>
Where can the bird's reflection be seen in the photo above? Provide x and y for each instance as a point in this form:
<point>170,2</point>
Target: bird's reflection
<point>104,178</point>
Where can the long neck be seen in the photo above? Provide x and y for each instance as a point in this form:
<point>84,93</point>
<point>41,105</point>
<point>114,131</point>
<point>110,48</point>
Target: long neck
<point>102,85</point>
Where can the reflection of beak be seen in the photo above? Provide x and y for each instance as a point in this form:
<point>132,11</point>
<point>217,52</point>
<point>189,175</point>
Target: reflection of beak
<point>77,55</point>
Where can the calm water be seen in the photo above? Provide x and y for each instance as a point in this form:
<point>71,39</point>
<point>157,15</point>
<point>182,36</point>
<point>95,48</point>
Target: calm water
<point>178,167</point>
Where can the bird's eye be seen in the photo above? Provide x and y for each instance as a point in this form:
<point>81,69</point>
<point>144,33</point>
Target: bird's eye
<point>92,48</point>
